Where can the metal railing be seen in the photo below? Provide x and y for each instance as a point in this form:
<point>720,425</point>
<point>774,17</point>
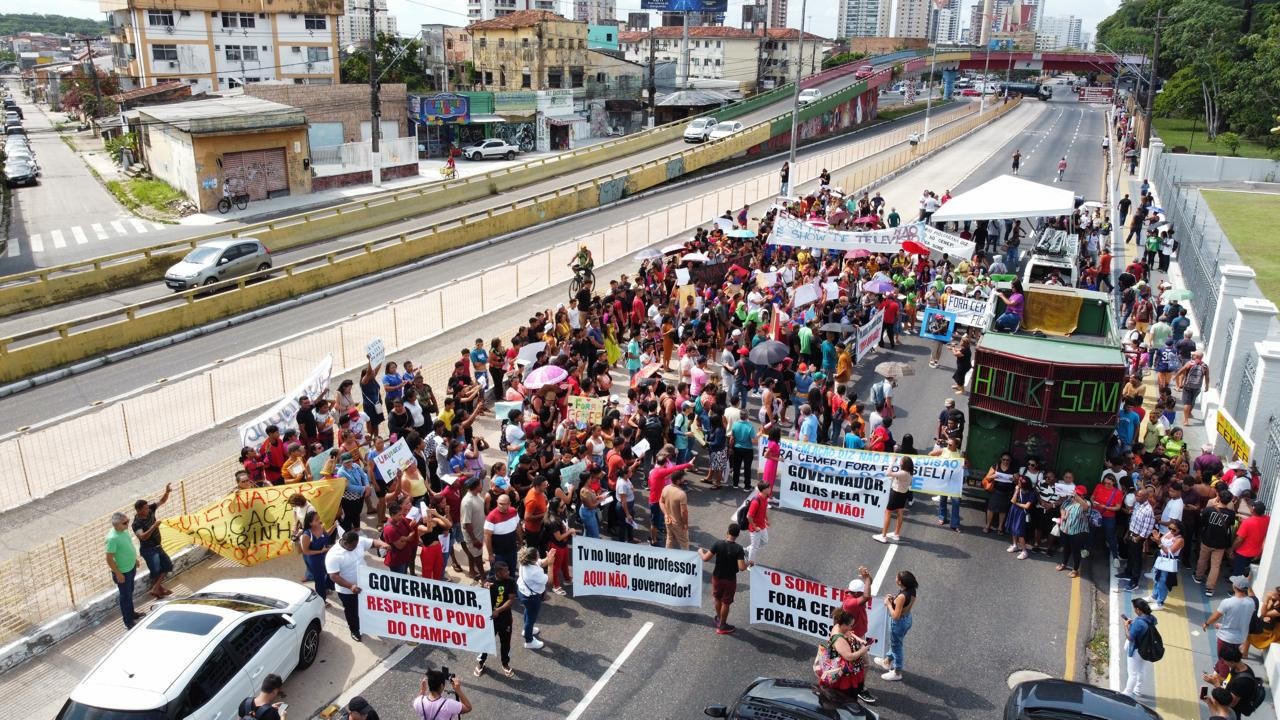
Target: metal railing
<point>356,156</point>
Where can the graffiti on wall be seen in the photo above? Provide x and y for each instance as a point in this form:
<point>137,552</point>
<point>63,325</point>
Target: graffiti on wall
<point>518,134</point>
<point>470,135</point>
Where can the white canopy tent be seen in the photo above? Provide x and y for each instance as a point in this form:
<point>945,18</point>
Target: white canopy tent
<point>1004,198</point>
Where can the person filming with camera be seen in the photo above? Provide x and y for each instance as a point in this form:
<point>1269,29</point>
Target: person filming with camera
<point>432,704</point>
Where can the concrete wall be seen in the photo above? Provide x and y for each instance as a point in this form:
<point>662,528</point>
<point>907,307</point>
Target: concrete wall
<point>209,149</point>
<point>361,177</point>
<point>170,157</point>
<point>1214,168</point>
<point>347,104</point>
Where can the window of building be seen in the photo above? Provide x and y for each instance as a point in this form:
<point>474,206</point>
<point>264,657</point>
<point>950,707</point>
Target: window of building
<point>608,37</point>
<point>164,52</point>
<point>315,22</point>
<point>555,77</point>
<point>576,76</point>
<point>484,42</point>
<point>600,77</point>
<point>561,43</point>
<point>160,18</point>
<point>524,42</point>
<point>502,42</point>
<point>581,43</point>
<point>317,54</point>
<point>526,81</point>
<point>488,77</point>
<point>246,53</point>
<point>240,20</point>
<point>717,62</point>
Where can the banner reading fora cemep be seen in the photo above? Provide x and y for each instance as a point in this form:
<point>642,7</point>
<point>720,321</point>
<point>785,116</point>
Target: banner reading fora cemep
<point>414,609</point>
<point>804,606</point>
<point>636,572</point>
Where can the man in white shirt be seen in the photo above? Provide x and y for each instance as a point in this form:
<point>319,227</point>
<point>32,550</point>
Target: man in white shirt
<point>343,563</point>
<point>1172,507</point>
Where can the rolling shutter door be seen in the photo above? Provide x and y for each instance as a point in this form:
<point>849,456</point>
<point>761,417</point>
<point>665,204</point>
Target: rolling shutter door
<point>262,173</point>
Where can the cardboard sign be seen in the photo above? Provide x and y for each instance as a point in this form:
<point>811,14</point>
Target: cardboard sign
<point>938,325</point>
<point>376,352</point>
<point>1233,436</point>
<point>804,295</point>
<point>804,606</point>
<point>585,410</point>
<point>869,336</point>
<point>413,609</point>
<point>636,572</point>
<point>970,312</point>
<point>569,475</point>
<point>250,526</point>
<point>394,459</point>
<point>283,413</point>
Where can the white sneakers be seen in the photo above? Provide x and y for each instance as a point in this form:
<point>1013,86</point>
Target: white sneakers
<point>537,630</point>
<point>1022,555</point>
<point>880,538</point>
<point>891,676</point>
<point>535,645</point>
<point>895,537</point>
<point>884,663</point>
<point>1011,548</point>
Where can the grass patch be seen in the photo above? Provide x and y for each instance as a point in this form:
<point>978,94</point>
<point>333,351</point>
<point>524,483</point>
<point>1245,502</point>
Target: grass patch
<point>155,193</point>
<point>70,143</point>
<point>122,196</point>
<point>1178,132</point>
<point>898,111</point>
<point>1248,219</point>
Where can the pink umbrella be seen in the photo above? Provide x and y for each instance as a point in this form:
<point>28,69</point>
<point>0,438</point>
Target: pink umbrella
<point>819,223</point>
<point>867,220</point>
<point>858,254</point>
<point>545,375</point>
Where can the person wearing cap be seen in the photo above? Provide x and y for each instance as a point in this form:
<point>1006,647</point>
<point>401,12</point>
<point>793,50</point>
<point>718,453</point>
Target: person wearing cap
<point>1231,622</point>
<point>1074,515</point>
<point>729,560</point>
<point>1246,549</point>
<point>358,486</point>
<point>359,709</point>
<point>856,602</point>
<point>1237,478</point>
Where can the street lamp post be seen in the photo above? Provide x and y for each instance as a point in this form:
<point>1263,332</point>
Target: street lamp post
<point>795,92</point>
<point>928,102</point>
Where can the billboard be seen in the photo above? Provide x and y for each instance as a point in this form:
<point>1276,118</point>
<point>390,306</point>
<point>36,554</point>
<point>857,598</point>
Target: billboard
<point>711,6</point>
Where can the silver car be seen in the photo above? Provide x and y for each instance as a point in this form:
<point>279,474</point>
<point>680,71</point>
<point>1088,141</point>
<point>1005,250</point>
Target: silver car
<point>217,261</point>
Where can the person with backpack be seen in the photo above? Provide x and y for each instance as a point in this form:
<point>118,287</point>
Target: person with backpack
<point>757,521</point>
<point>1246,689</point>
<point>841,661</point>
<point>1231,621</point>
<point>1165,360</point>
<point>266,704</point>
<point>1191,379</point>
<point>1144,646</point>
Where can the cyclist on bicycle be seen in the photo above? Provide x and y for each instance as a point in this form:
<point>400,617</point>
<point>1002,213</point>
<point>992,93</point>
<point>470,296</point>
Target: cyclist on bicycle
<point>582,263</point>
<point>226,188</point>
<point>450,165</point>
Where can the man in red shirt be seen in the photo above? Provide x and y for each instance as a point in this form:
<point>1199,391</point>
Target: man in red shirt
<point>273,455</point>
<point>1247,548</point>
<point>890,308</point>
<point>758,522</point>
<point>658,478</point>
<point>401,534</point>
<point>857,601</point>
<point>1104,269</point>
<point>535,507</point>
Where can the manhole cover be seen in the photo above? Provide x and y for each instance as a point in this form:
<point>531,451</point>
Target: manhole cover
<point>1018,677</point>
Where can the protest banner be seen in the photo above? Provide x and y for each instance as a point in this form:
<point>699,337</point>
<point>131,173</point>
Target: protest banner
<point>394,459</point>
<point>413,609</point>
<point>636,572</point>
<point>971,312</point>
<point>502,409</point>
<point>682,276</point>
<point>804,606</point>
<point>788,230</point>
<point>376,351</point>
<point>803,295</point>
<point>869,336</point>
<point>714,274</point>
<point>1233,436</point>
<point>569,475</point>
<point>853,485</point>
<point>283,413</point>
<point>250,526</point>
<point>584,411</point>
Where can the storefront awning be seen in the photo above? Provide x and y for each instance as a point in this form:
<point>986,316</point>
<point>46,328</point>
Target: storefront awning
<point>566,119</point>
<point>487,119</point>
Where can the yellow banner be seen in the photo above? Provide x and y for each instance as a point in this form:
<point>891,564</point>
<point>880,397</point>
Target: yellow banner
<point>1051,311</point>
<point>1233,436</point>
<point>250,526</point>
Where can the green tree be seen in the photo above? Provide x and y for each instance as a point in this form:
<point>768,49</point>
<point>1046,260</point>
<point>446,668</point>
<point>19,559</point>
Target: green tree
<point>79,92</point>
<point>1182,95</point>
<point>12,23</point>
<point>399,61</point>
<point>842,59</point>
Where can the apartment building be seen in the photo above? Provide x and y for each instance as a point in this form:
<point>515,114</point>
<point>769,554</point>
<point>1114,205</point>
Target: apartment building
<point>910,18</point>
<point>862,18</point>
<point>729,53</point>
<point>490,9</point>
<point>595,12</point>
<point>1057,33</point>
<point>529,50</point>
<point>217,45</point>
<point>353,25</point>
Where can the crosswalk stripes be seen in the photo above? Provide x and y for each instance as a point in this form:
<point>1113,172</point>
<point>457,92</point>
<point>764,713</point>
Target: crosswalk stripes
<point>37,245</point>
<point>56,237</point>
<point>138,225</point>
<point>99,231</point>
<point>79,235</point>
<point>118,227</point>
<point>14,248</point>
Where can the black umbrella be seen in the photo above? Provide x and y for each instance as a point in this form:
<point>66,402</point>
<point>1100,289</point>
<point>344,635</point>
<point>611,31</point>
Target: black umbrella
<point>769,352</point>
<point>836,327</point>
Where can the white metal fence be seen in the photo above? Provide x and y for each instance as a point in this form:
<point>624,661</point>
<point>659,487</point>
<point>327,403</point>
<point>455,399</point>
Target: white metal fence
<point>353,157</point>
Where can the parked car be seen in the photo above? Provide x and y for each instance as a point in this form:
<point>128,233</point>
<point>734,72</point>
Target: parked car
<point>217,261</point>
<point>790,700</point>
<point>21,172</point>
<point>11,104</point>
<point>1065,700</point>
<point>971,92</point>
<point>864,71</point>
<point>14,129</point>
<point>699,130</point>
<point>198,657</point>
<point>725,129</point>
<point>23,154</point>
<point>809,95</point>
<point>493,148</point>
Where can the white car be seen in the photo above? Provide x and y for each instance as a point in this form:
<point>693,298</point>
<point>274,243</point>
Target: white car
<point>725,129</point>
<point>809,95</point>
<point>196,658</point>
<point>699,130</point>
<point>493,148</point>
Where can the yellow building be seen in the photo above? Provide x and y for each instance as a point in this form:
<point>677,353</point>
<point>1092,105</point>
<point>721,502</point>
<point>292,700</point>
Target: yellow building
<point>529,50</point>
<point>217,45</point>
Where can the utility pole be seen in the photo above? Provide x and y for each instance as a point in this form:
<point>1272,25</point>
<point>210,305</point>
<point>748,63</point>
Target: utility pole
<point>1151,80</point>
<point>764,40</point>
<point>795,91</point>
<point>928,87</point>
<point>93,73</point>
<point>375,100</point>
<point>684,49</point>
<point>653,85</point>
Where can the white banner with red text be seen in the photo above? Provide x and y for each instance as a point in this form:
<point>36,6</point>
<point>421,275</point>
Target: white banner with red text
<point>869,336</point>
<point>413,609</point>
<point>636,572</point>
<point>804,606</point>
<point>788,230</point>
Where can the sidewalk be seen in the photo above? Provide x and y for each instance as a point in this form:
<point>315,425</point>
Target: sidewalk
<point>1172,684</point>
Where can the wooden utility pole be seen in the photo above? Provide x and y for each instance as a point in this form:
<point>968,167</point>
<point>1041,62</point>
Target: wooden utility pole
<point>653,86</point>
<point>1151,81</point>
<point>93,73</point>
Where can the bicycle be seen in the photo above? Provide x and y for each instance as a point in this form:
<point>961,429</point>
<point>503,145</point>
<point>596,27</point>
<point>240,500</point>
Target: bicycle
<point>582,277</point>
<point>448,173</point>
<point>241,202</point>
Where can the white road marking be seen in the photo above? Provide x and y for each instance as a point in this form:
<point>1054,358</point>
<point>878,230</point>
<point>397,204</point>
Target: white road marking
<point>80,236</point>
<point>14,249</point>
<point>883,569</point>
<point>100,231</point>
<point>372,676</point>
<point>37,245</point>
<point>157,226</point>
<point>138,225</point>
<point>608,674</point>
<point>56,236</point>
<point>119,227</point>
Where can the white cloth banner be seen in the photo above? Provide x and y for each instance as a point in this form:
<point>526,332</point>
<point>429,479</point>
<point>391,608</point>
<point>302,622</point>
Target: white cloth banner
<point>413,609</point>
<point>393,460</point>
<point>853,485</point>
<point>869,336</point>
<point>788,230</point>
<point>804,606</point>
<point>969,311</point>
<point>284,413</point>
<point>636,572</point>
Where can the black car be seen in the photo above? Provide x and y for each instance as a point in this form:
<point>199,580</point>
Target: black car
<point>11,104</point>
<point>1065,700</point>
<point>775,699</point>
<point>21,172</point>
